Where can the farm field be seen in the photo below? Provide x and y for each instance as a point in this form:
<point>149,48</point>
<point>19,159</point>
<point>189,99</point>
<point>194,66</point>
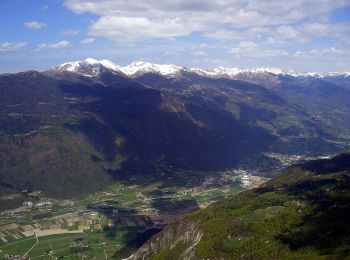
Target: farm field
<point>112,222</point>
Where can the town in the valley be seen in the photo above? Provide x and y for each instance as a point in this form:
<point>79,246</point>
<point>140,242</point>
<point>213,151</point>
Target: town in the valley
<point>105,221</point>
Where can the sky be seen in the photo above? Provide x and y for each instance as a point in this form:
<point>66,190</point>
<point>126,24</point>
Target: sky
<point>302,35</point>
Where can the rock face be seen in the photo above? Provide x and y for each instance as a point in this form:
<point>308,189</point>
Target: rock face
<point>177,240</point>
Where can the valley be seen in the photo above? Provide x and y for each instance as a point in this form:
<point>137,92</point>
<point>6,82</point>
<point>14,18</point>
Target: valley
<point>114,221</point>
<point>174,130</point>
<point>95,160</point>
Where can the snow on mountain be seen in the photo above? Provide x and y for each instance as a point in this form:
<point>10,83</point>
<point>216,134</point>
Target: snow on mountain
<point>88,67</point>
<point>109,65</point>
<point>218,72</point>
<point>327,74</point>
<point>275,71</point>
<point>140,67</point>
<point>91,67</point>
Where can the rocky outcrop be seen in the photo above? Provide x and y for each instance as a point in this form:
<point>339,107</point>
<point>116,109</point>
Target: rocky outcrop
<point>179,238</point>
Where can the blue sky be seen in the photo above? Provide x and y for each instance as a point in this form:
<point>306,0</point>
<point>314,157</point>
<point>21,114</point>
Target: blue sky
<point>304,35</point>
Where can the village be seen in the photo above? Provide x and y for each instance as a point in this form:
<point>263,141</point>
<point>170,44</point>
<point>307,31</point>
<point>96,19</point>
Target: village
<point>121,209</point>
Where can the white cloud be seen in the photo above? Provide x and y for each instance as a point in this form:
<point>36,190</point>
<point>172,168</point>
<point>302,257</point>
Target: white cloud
<point>332,53</point>
<point>58,45</point>
<point>70,32</point>
<point>270,53</point>
<point>287,34</point>
<point>199,53</point>
<point>203,45</point>
<point>170,53</point>
<point>250,49</point>
<point>254,32</point>
<point>247,45</point>
<point>243,48</point>
<point>34,25</point>
<point>223,34</point>
<point>87,41</point>
<point>12,46</point>
<point>125,20</point>
<point>317,29</point>
<point>119,28</point>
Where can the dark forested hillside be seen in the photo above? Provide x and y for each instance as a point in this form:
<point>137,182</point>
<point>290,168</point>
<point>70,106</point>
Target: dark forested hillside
<point>62,127</point>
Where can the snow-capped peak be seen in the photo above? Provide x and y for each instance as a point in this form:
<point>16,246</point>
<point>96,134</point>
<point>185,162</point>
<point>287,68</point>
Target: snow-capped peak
<point>91,67</point>
<point>109,65</point>
<point>90,61</point>
<point>233,71</point>
<point>141,67</point>
<point>88,67</point>
<point>272,70</point>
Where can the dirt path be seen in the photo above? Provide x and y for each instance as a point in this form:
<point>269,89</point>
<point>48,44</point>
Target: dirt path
<point>37,241</point>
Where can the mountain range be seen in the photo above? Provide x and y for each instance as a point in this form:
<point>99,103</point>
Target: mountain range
<point>91,67</point>
<point>72,129</point>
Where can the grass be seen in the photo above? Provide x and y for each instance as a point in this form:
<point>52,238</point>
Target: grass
<point>127,195</point>
<point>232,244</point>
<point>260,215</point>
<point>60,244</point>
<point>19,248</point>
<point>299,215</point>
<point>122,197</point>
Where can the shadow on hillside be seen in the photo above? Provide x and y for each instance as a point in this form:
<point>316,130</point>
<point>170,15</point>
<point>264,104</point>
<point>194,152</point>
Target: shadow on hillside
<point>135,132</point>
<point>134,229</point>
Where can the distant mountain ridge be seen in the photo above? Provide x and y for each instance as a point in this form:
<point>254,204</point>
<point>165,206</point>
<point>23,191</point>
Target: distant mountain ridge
<point>141,67</point>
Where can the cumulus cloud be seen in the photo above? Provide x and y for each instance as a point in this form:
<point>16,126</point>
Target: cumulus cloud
<point>251,49</point>
<point>57,45</point>
<point>286,34</point>
<point>87,41</point>
<point>136,28</point>
<point>12,46</point>
<point>34,25</point>
<point>248,31</point>
<point>125,20</point>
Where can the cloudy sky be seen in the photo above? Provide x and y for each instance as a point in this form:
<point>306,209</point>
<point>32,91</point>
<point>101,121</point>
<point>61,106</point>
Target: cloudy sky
<point>304,35</point>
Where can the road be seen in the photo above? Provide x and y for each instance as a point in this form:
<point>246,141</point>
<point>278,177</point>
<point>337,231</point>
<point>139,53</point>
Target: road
<point>37,241</point>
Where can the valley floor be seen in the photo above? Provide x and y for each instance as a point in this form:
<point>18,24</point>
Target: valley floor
<point>116,220</point>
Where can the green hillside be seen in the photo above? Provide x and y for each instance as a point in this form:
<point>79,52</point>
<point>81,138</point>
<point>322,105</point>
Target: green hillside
<point>303,214</point>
